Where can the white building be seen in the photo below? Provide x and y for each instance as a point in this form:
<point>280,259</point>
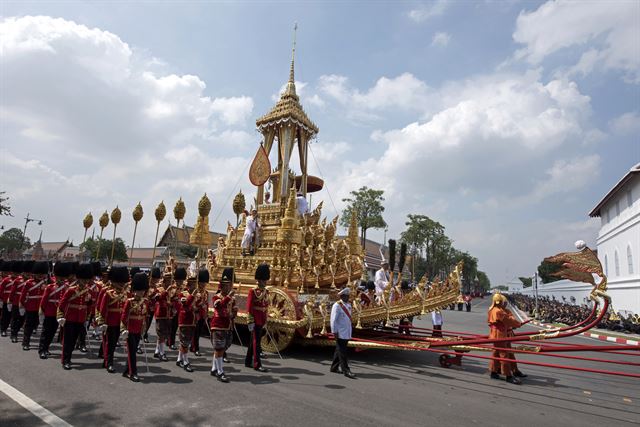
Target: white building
<point>619,240</point>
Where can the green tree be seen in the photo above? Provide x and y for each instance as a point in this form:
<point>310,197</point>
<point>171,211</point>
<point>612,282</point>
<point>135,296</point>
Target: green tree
<point>91,246</point>
<point>188,251</point>
<point>469,269</point>
<point>367,202</point>
<point>484,284</point>
<point>527,282</point>
<point>12,241</point>
<point>5,209</point>
<point>546,269</point>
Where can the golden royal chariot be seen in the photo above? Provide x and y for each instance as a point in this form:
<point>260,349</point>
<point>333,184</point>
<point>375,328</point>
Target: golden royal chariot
<point>309,262</point>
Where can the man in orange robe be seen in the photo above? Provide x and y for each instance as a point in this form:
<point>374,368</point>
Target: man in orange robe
<point>501,325</point>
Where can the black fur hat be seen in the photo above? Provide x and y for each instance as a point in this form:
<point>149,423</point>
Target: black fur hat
<point>134,270</point>
<point>140,282</point>
<point>404,285</point>
<point>263,272</point>
<point>6,266</point>
<point>74,267</point>
<point>203,275</point>
<point>97,268</point>
<point>84,271</point>
<point>227,275</point>
<point>40,267</point>
<point>180,274</point>
<point>62,269</point>
<point>16,267</point>
<point>156,273</point>
<point>370,285</point>
<point>119,274</point>
<point>27,266</point>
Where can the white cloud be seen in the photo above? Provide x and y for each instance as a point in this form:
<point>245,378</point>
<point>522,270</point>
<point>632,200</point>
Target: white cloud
<point>607,32</point>
<point>404,91</point>
<point>88,124</point>
<point>626,124</point>
<point>428,10</point>
<point>440,39</point>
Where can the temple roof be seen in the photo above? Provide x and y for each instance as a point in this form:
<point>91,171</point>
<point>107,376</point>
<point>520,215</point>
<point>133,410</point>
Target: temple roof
<point>288,109</point>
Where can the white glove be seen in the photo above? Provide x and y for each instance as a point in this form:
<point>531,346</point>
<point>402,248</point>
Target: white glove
<point>123,333</point>
<point>102,329</point>
<point>251,326</point>
<point>9,306</point>
<point>21,310</point>
<point>62,321</point>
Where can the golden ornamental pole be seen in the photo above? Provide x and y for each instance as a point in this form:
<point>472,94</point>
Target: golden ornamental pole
<point>179,211</point>
<point>201,236</point>
<point>87,222</point>
<point>160,213</point>
<point>103,221</point>
<point>137,216</point>
<point>239,205</point>
<point>116,215</point>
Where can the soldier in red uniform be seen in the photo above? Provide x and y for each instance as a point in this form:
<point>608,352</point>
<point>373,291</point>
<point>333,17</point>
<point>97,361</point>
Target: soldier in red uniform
<point>5,292</point>
<point>72,311</point>
<point>154,284</point>
<point>20,268</point>
<point>49,306</point>
<point>257,305</point>
<point>134,315</point>
<point>201,307</point>
<point>186,326</point>
<point>109,313</point>
<point>179,276</point>
<point>163,313</point>
<point>30,300</point>
<point>224,311</point>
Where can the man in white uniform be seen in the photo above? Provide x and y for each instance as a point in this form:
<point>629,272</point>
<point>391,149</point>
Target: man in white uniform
<point>341,328</point>
<point>248,245</point>
<point>382,278</point>
<point>303,206</point>
<point>436,319</point>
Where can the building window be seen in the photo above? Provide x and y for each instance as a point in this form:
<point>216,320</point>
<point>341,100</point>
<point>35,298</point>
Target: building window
<point>629,198</point>
<point>616,263</point>
<point>617,208</point>
<point>606,266</point>
<point>629,260</point>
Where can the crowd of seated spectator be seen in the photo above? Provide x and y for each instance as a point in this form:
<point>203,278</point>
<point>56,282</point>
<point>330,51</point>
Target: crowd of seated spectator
<point>551,310</point>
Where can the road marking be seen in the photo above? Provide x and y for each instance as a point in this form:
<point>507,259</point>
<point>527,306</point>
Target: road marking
<point>586,392</point>
<point>33,407</point>
<point>626,399</point>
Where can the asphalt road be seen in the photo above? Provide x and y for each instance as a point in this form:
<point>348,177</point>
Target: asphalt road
<point>397,388</point>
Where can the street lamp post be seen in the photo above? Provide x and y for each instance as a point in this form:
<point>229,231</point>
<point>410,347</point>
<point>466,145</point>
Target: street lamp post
<point>27,220</point>
<point>536,291</point>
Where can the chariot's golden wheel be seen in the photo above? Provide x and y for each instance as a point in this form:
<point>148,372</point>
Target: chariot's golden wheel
<point>281,307</point>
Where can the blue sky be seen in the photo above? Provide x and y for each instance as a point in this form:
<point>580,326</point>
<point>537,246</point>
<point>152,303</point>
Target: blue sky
<point>504,120</point>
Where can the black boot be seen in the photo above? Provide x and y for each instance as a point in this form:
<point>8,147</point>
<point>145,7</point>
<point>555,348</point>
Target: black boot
<point>513,380</point>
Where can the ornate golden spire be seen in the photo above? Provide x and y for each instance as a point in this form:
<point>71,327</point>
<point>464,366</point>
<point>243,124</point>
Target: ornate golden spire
<point>291,84</point>
<point>288,107</point>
